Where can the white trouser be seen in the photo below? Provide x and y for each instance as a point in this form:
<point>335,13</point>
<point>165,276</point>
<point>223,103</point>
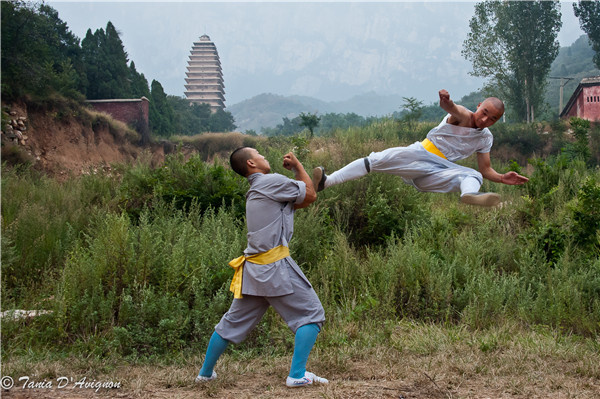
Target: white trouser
<point>417,166</point>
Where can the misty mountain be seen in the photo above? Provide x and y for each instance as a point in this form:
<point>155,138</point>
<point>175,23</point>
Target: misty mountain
<point>268,110</point>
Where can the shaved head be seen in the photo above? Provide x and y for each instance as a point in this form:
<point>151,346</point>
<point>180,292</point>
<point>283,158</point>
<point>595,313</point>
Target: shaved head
<point>238,160</point>
<point>496,103</point>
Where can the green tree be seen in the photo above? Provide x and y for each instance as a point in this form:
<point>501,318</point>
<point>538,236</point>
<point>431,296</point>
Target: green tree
<point>105,60</point>
<point>415,110</point>
<point>39,53</point>
<point>162,118</point>
<point>138,83</point>
<point>514,43</point>
<point>309,121</point>
<point>221,121</point>
<point>588,13</point>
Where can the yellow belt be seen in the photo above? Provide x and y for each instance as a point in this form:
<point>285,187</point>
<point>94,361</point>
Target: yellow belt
<point>263,258</point>
<point>429,146</point>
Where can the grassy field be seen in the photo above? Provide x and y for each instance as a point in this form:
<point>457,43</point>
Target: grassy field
<point>424,296</point>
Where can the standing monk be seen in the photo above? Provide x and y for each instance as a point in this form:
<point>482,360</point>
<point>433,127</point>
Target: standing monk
<point>266,275</point>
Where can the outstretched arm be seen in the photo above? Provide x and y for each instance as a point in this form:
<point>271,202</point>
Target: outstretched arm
<point>459,115</point>
<point>486,170</point>
<point>290,162</point>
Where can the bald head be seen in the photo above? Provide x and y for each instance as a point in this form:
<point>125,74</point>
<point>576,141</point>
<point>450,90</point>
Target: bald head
<point>239,160</point>
<point>496,103</point>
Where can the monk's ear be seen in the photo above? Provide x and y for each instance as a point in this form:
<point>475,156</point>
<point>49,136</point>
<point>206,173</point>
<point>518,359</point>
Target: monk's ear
<point>250,163</point>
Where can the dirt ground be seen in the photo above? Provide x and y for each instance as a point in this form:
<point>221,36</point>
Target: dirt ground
<point>453,372</point>
<point>63,146</point>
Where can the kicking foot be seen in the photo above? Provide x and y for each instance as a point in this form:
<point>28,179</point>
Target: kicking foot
<point>308,379</point>
<point>202,378</point>
<point>319,178</point>
<point>481,199</point>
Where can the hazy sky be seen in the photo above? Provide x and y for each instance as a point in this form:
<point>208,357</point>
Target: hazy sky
<point>331,51</point>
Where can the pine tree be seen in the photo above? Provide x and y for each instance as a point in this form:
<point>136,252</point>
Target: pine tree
<point>138,83</point>
<point>162,119</point>
<point>106,64</point>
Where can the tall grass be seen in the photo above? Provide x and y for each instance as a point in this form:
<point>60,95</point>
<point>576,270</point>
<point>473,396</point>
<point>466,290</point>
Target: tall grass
<point>136,264</point>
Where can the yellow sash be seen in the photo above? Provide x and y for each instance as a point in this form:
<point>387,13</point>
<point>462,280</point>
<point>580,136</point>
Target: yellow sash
<point>429,146</point>
<point>263,258</point>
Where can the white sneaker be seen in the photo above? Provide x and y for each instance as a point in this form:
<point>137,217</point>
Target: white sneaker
<point>202,378</point>
<point>308,379</point>
<point>481,199</point>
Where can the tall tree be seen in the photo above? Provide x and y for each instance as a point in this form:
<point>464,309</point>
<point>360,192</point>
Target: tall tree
<point>162,119</point>
<point>106,64</point>
<point>514,43</point>
<point>309,121</point>
<point>39,53</point>
<point>138,83</point>
<point>588,13</point>
<point>221,121</point>
<point>414,110</point>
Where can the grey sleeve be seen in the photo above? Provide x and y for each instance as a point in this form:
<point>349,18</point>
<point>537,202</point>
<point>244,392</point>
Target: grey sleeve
<point>283,189</point>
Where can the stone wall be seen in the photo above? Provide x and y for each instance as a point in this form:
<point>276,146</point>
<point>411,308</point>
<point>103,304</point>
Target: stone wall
<point>133,112</point>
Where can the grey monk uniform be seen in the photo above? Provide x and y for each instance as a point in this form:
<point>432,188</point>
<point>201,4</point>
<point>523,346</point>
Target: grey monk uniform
<point>270,219</point>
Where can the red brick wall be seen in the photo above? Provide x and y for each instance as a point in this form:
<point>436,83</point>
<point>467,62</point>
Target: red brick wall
<point>129,111</point>
<point>587,104</point>
<point>591,103</point>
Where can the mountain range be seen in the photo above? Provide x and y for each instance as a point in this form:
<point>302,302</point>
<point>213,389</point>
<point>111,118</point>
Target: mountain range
<point>268,110</point>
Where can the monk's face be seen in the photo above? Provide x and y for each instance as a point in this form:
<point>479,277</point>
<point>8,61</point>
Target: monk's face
<point>259,161</point>
<point>486,115</point>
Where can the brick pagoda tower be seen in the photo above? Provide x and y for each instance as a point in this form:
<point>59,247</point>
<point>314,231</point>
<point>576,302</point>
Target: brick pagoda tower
<point>204,82</point>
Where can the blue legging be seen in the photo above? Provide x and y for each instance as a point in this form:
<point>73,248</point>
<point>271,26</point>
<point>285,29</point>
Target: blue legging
<point>306,336</point>
<point>216,347</point>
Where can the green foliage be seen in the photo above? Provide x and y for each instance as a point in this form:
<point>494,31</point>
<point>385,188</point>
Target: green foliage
<point>136,265</point>
<point>182,183</point>
<point>514,44</point>
<point>40,55</point>
<point>586,214</point>
<point>581,147</point>
<point>152,287</point>
<point>588,13</point>
<point>191,118</point>
<point>105,61</point>
<point>162,118</point>
<point>41,220</point>
<point>415,110</point>
<point>309,121</point>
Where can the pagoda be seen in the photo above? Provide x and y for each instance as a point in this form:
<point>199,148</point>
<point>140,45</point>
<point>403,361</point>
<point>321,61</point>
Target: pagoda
<point>204,82</point>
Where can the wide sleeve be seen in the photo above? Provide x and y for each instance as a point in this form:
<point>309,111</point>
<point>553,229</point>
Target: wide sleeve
<point>486,142</point>
<point>283,189</point>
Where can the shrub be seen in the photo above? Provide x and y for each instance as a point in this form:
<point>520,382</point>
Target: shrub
<point>182,183</point>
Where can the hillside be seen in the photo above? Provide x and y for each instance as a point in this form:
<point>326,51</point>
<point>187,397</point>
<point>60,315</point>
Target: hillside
<point>575,62</point>
<point>268,110</point>
<point>69,141</point>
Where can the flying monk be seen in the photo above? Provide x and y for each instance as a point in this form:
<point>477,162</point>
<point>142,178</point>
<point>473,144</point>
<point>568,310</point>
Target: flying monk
<point>429,165</point>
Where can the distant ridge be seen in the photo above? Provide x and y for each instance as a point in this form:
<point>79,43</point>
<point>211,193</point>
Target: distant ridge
<point>268,110</point>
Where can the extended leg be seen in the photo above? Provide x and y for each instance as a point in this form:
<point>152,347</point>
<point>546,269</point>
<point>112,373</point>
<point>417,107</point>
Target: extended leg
<point>352,171</point>
<point>470,194</point>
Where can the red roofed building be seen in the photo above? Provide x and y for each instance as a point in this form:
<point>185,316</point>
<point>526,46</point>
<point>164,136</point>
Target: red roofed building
<point>585,101</point>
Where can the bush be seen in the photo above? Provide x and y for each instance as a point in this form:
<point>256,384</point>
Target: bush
<point>182,183</point>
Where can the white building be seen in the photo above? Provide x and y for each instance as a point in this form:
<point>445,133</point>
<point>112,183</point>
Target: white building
<point>204,82</point>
